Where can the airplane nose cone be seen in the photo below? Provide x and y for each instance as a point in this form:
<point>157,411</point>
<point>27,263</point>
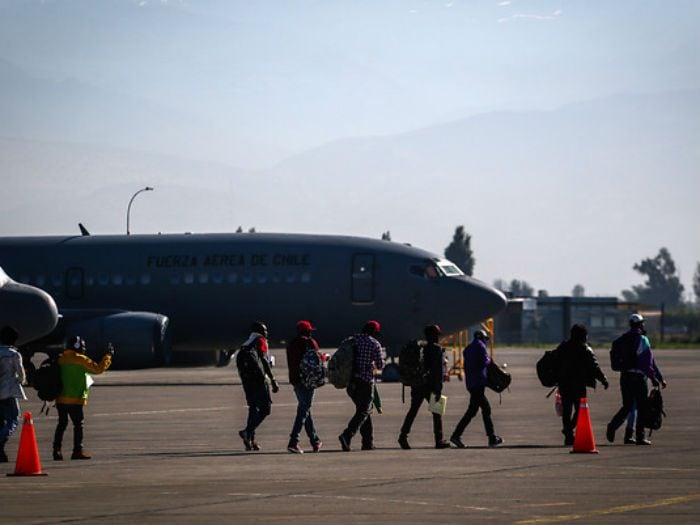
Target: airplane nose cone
<point>29,310</point>
<point>472,302</point>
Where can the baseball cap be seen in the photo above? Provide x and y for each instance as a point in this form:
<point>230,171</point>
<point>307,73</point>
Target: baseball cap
<point>372,327</point>
<point>636,319</point>
<point>304,326</point>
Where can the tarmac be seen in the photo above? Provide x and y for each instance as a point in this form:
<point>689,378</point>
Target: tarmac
<point>166,449</point>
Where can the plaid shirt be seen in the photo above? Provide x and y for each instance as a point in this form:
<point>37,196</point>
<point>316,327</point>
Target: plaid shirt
<point>368,357</point>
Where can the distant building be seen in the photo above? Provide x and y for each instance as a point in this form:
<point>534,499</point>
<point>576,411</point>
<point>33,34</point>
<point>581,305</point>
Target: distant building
<point>548,319</point>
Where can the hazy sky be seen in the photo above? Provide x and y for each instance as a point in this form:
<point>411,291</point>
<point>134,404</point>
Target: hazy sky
<point>247,85</point>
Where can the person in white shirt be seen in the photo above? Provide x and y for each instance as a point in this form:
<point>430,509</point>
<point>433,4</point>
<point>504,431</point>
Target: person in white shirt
<point>11,378</point>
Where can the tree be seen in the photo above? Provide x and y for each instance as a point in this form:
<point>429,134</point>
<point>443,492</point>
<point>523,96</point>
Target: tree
<point>239,229</point>
<point>500,284</point>
<point>662,284</point>
<point>521,289</point>
<point>578,291</point>
<point>386,236</point>
<point>459,251</point>
<point>696,283</point>
<point>542,294</point>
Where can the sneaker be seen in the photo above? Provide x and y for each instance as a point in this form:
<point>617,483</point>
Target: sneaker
<point>368,446</point>
<point>642,441</point>
<point>3,457</point>
<point>57,454</point>
<point>610,434</point>
<point>457,442</point>
<point>80,454</point>
<point>246,440</point>
<point>568,441</point>
<point>403,442</point>
<point>629,439</point>
<point>295,449</point>
<point>494,441</point>
<point>316,446</point>
<point>344,443</point>
<point>442,444</point>
<point>254,445</point>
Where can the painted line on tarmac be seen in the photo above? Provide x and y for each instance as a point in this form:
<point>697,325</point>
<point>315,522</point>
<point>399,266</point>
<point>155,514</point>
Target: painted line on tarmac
<point>199,409</point>
<point>612,510</point>
<point>362,499</point>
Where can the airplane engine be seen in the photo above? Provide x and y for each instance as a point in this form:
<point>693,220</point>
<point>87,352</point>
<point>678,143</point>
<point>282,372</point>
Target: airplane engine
<point>140,339</point>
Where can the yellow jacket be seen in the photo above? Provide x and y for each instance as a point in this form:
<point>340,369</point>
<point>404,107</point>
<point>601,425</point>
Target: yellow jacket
<point>74,370</point>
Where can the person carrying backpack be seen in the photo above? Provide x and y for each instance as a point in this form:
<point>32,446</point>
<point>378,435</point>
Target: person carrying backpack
<point>255,372</point>
<point>75,367</point>
<point>578,368</point>
<point>633,380</point>
<point>476,363</point>
<point>367,359</point>
<point>11,378</point>
<point>432,384</point>
<point>296,350</point>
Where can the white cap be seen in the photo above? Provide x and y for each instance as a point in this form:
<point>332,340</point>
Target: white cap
<point>636,319</point>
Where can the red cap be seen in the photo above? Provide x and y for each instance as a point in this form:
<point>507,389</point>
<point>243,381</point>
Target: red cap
<point>372,327</point>
<point>304,326</point>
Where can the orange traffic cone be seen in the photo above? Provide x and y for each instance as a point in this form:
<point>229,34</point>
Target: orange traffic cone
<point>28,463</point>
<point>584,442</point>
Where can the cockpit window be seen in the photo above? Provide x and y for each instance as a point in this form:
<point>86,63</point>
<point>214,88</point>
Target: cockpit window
<point>449,269</point>
<point>427,270</point>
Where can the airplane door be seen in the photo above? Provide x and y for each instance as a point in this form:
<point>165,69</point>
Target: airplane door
<point>74,283</point>
<point>363,278</point>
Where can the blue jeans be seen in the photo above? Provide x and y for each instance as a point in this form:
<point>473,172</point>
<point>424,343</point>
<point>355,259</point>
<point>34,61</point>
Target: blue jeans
<point>305,397</point>
<point>9,417</point>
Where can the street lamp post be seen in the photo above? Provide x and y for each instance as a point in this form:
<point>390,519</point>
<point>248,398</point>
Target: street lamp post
<point>128,209</point>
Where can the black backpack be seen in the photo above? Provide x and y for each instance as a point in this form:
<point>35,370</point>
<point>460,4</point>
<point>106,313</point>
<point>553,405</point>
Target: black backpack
<point>653,416</point>
<point>411,364</point>
<point>497,379</point>
<point>249,365</point>
<point>47,379</point>
<point>548,368</point>
<point>623,354</point>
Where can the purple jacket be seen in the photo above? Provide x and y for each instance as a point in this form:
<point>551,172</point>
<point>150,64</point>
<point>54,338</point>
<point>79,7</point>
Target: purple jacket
<point>476,361</point>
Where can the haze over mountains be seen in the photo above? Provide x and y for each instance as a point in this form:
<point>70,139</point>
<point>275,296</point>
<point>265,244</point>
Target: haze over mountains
<point>236,126</point>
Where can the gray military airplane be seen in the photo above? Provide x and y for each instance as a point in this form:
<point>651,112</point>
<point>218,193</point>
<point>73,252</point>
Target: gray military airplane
<point>150,293</point>
<point>29,310</point>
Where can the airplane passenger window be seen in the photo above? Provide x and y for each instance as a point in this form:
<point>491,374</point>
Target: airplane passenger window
<point>217,278</point>
<point>247,278</point>
<point>189,278</point>
<point>103,279</point>
<point>40,281</point>
<point>203,278</point>
<point>276,277</point>
<point>232,278</point>
<point>56,281</point>
<point>175,278</point>
<point>306,277</point>
<point>117,279</point>
<point>261,278</point>
<point>291,278</point>
<point>145,278</point>
<point>130,280</point>
<point>24,279</point>
<point>89,280</point>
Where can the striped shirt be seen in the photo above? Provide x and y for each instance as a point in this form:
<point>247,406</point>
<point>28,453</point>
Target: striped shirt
<point>368,357</point>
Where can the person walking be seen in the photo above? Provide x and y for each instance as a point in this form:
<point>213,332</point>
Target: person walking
<point>367,359</point>
<point>633,379</point>
<point>11,379</point>
<point>476,363</point>
<point>433,363</point>
<point>297,347</point>
<point>578,368</point>
<point>256,378</point>
<point>75,369</point>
